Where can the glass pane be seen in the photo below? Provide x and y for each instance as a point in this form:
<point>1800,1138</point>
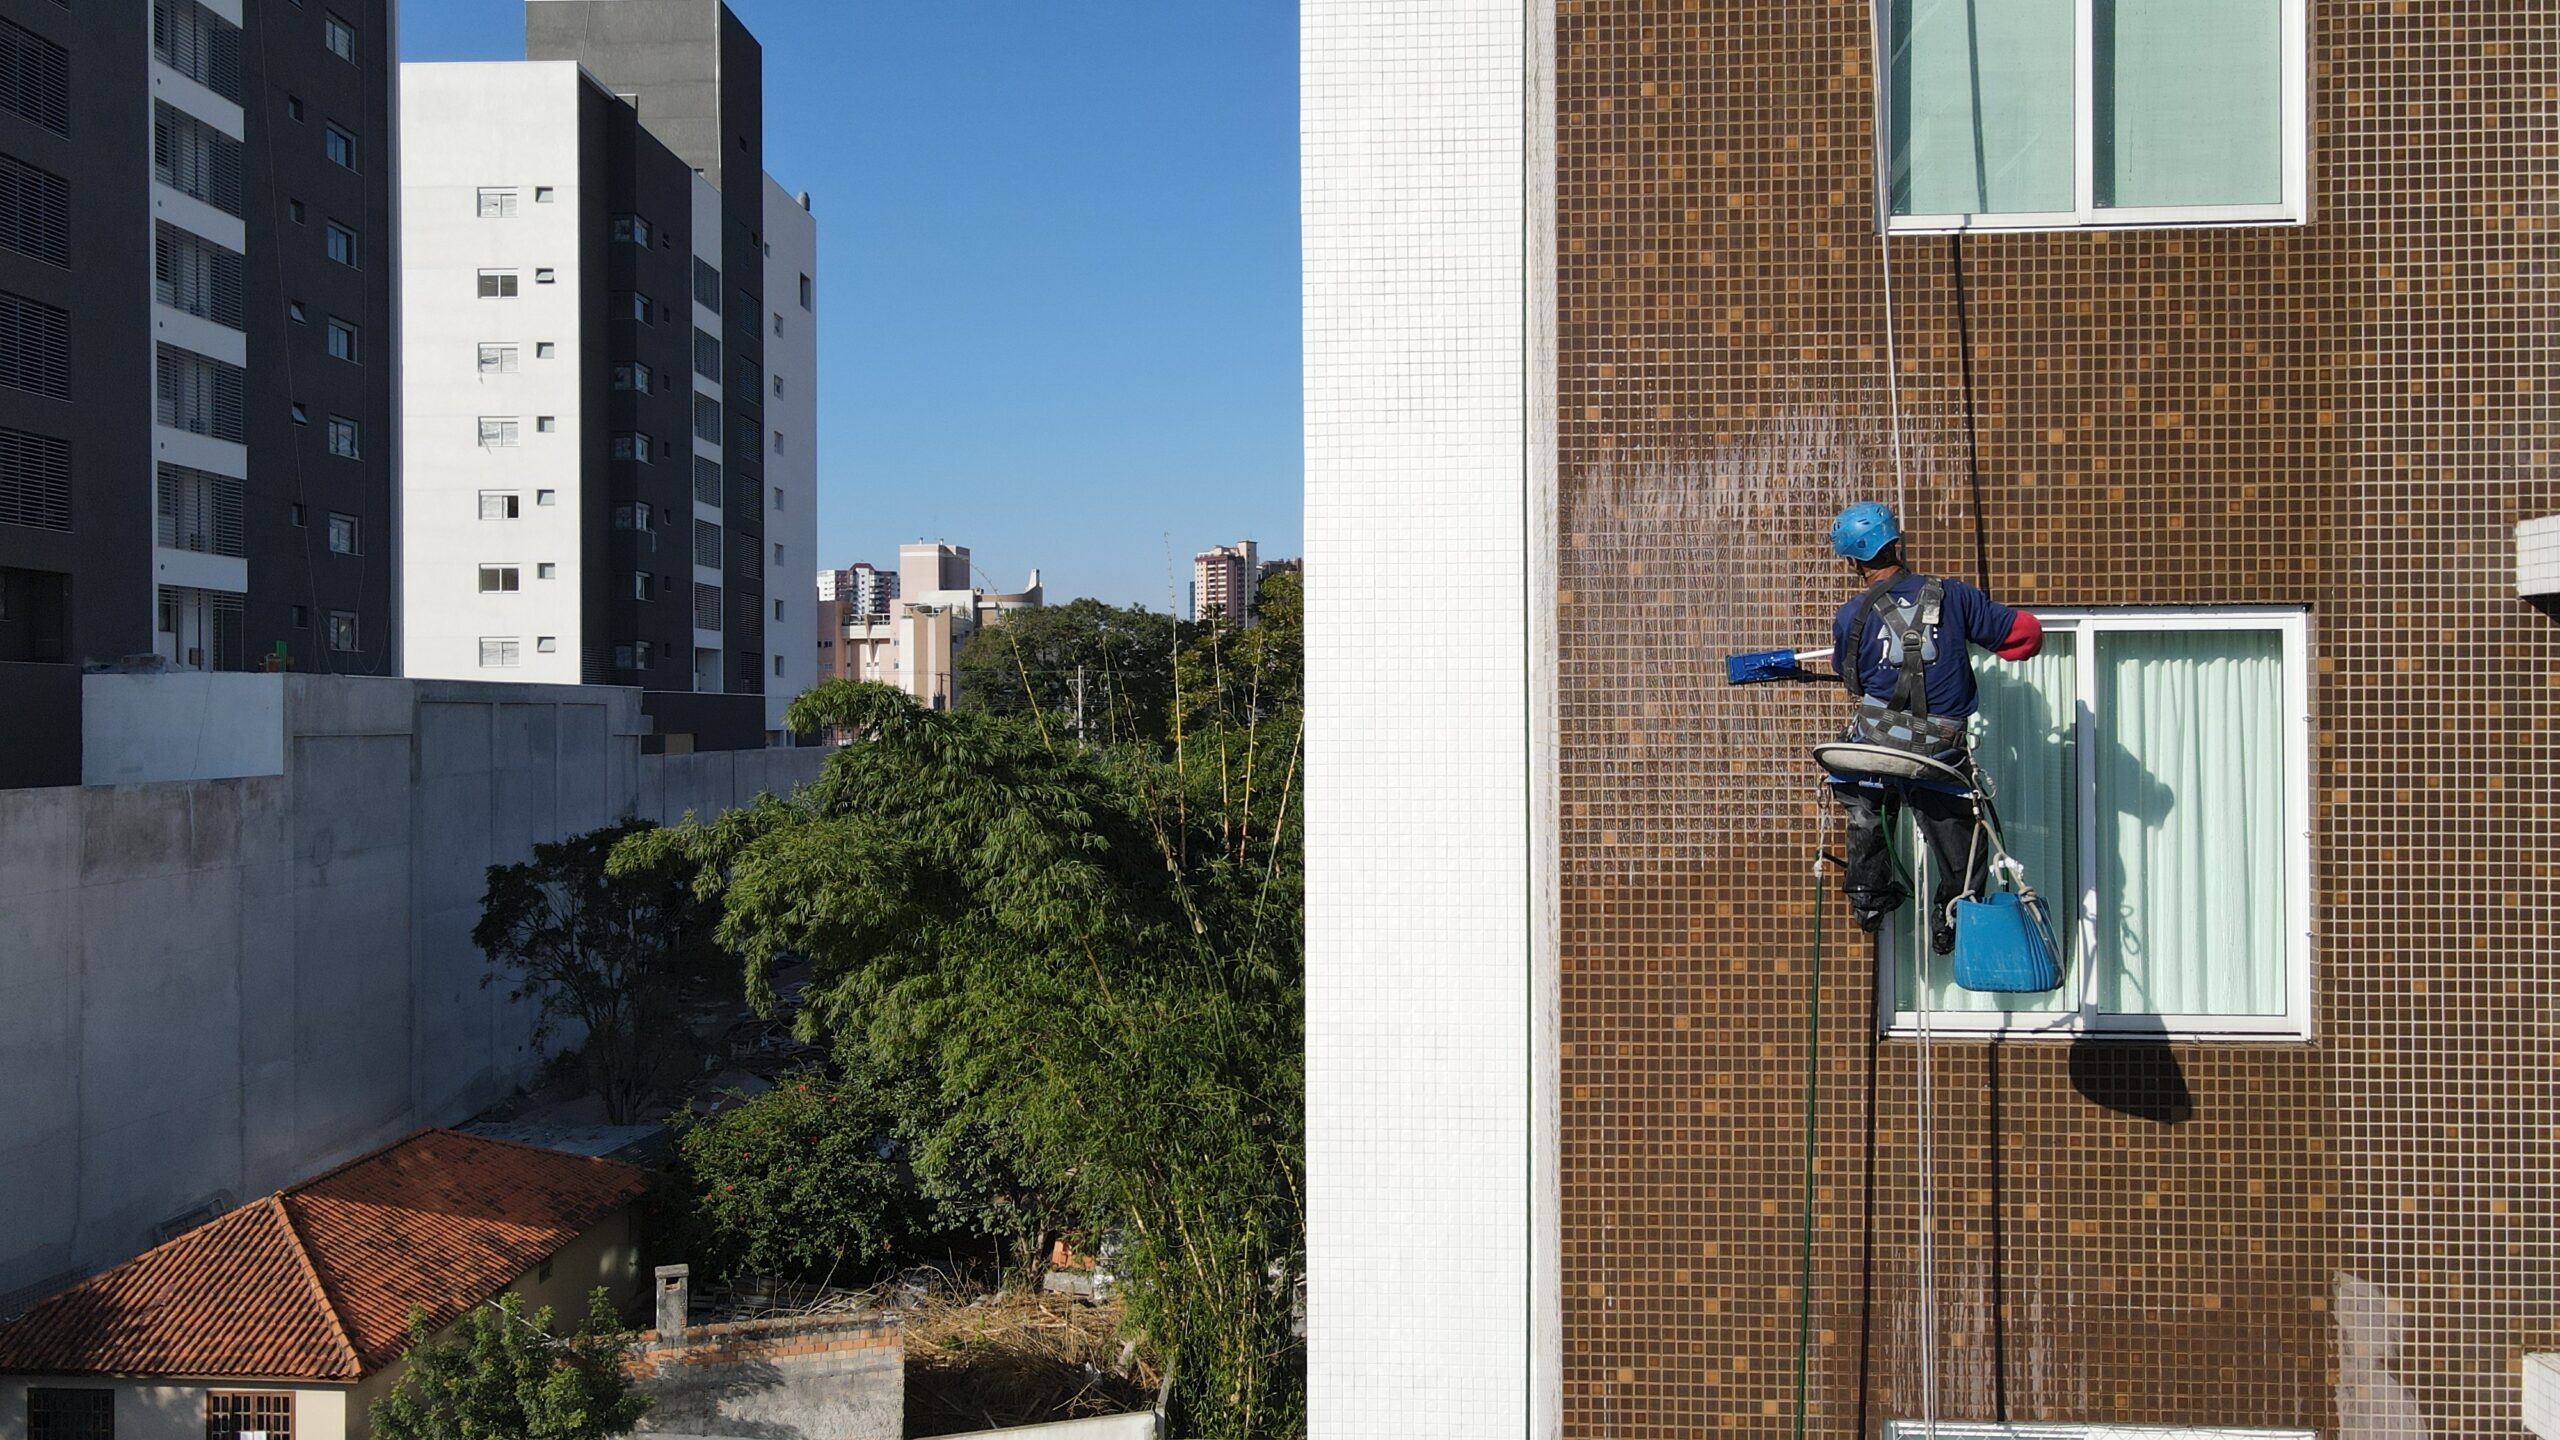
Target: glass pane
<point>1981,97</point>
<point>2024,748</point>
<point>2190,102</point>
<point>2191,834</point>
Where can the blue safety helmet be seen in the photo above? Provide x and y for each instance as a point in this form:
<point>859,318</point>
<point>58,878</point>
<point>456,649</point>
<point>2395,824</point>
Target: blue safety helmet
<point>1863,530</point>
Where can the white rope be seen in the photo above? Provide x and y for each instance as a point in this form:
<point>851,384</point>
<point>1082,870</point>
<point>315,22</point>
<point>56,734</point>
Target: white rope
<point>1928,1141</point>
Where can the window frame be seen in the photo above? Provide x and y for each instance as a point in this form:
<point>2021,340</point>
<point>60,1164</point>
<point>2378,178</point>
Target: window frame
<point>498,284</point>
<point>499,357</point>
<point>2294,208</point>
<point>507,650</point>
<point>510,504</point>
<point>354,530</point>
<point>344,624</point>
<point>335,29</point>
<point>92,1399</point>
<point>345,437</point>
<point>338,146</point>
<point>2079,912</point>
<point>354,245</point>
<point>501,579</point>
<point>339,326</point>
<point>495,202</point>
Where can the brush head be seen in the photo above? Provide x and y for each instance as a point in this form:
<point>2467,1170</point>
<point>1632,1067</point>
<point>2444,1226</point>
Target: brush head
<point>1762,665</point>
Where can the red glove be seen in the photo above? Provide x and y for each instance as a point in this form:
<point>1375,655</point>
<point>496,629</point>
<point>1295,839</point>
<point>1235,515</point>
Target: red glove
<point>2026,637</point>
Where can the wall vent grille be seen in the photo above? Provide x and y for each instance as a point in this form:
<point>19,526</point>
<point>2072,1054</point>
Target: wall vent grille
<point>35,480</point>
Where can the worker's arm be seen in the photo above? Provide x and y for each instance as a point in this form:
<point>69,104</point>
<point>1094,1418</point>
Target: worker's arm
<point>2025,640</point>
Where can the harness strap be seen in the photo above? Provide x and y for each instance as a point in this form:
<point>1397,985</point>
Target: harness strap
<point>1911,691</point>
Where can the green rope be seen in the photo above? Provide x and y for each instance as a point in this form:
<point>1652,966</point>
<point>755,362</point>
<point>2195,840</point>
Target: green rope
<point>1812,1092</point>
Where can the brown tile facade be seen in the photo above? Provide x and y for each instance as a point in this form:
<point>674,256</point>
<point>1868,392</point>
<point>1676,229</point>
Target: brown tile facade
<point>2358,1234</point>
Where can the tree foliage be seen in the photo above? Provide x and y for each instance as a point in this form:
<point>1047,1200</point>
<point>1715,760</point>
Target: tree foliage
<point>798,1181</point>
<point>1033,661</point>
<point>1085,965</point>
<point>610,952</point>
<point>504,1375</point>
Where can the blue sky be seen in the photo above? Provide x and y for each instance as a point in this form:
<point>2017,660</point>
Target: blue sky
<point>1059,271</point>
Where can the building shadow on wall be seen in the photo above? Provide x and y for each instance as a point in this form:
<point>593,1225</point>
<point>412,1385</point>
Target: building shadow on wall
<point>2133,1073</point>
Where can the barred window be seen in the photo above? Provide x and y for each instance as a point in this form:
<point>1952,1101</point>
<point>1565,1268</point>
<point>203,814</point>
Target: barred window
<point>203,396</point>
<point>706,419</point>
<point>195,159</point>
<point>62,1414</point>
<point>193,274</point>
<point>229,1417</point>
<point>35,211</point>
<point>35,480</point>
<point>35,78</point>
<point>706,544</point>
<point>35,346</point>
<point>199,44</point>
<point>706,481</point>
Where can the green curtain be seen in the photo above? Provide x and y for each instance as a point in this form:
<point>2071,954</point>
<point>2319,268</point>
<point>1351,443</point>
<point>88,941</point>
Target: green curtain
<point>2190,777</point>
<point>2189,101</point>
<point>1981,106</point>
<point>2024,745</point>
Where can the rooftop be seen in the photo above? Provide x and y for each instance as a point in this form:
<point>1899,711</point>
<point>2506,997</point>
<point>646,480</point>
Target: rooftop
<point>317,1282</point>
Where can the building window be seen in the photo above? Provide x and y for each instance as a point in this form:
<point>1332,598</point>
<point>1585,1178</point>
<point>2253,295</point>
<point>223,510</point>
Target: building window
<point>497,202</point>
<point>633,304</point>
<point>342,245</point>
<point>778,444</point>
<point>342,340</point>
<point>301,617</point>
<point>342,630</point>
<point>497,359</point>
<point>300,412</point>
<point>498,432</point>
<point>640,586</point>
<point>777,387</point>
<point>777,322</point>
<point>55,1413</point>
<point>497,652</point>
<point>2140,753</point>
<point>631,445</point>
<point>546,571</point>
<point>499,579</point>
<point>777,667</point>
<point>543,194</point>
<point>345,439</point>
<point>632,376</point>
<point>499,504</point>
<point>544,350</point>
<point>2096,113</point>
<point>777,497</point>
<point>293,107</point>
<point>339,36</point>
<point>777,610</point>
<point>546,644</point>
<point>706,419</point>
<point>808,294</point>
<point>706,355</point>
<point>497,284</point>
<point>294,212</point>
<point>630,517</point>
<point>339,146</point>
<point>631,228</point>
<point>546,497</point>
<point>545,275</point>
<point>706,285</point>
<point>294,312</point>
<point>545,424</point>
<point>297,514</point>
<point>345,536</point>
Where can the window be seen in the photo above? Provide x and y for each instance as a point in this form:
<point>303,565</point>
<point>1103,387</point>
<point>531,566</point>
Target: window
<point>498,579</point>
<point>545,424</point>
<point>342,630</point>
<point>777,497</point>
<point>631,228</point>
<point>497,284</point>
<point>546,644</point>
<point>300,412</point>
<point>632,376</point>
<point>640,587</point>
<point>293,107</point>
<point>339,146</point>
<point>339,36</point>
<point>630,517</point>
<point>777,387</point>
<point>2039,114</point>
<point>777,322</point>
<point>546,571</point>
<point>546,497</point>
<point>193,158</point>
<point>497,652</point>
<point>632,445</point>
<point>60,1414</point>
<point>543,194</point>
<point>777,610</point>
<point>706,355</point>
<point>777,555</point>
<point>777,667</point>
<point>342,245</point>
<point>195,275</point>
<point>497,359</point>
<point>497,202</point>
<point>545,275</point>
<point>344,535</point>
<point>296,514</point>
<point>294,312</point>
<point>342,340</point>
<point>633,304</point>
<point>301,617</point>
<point>777,449</point>
<point>2139,754</point>
<point>499,504</point>
<point>203,396</point>
<point>706,285</point>
<point>187,37</point>
<point>498,432</point>
<point>544,350</point>
<point>345,439</point>
<point>808,294</point>
<point>293,211</point>
<point>706,481</point>
<point>706,419</point>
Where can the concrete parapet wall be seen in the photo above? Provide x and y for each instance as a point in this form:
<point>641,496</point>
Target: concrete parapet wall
<point>842,1377</point>
<point>211,988</point>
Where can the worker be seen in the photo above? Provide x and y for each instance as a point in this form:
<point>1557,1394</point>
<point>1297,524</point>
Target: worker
<point>1903,648</point>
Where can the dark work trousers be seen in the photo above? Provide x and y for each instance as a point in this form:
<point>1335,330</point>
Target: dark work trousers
<point>1946,823</point>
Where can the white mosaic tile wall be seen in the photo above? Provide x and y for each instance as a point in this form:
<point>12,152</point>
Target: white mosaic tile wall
<point>1418,749</point>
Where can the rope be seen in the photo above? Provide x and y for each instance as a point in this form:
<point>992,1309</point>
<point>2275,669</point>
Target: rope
<point>1928,1151</point>
<point>1812,1096</point>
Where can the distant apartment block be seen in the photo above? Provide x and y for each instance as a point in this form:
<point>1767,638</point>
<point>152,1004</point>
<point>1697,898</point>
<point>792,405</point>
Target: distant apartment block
<point>856,593</point>
<point>1223,581</point>
<point>197,448</point>
<point>863,588</point>
<point>915,641</point>
<point>610,369</point>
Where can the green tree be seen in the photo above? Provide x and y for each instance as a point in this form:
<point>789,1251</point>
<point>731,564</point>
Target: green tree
<point>1094,956</point>
<point>1037,659</point>
<point>503,1375</point>
<point>797,1181</point>
<point>608,951</point>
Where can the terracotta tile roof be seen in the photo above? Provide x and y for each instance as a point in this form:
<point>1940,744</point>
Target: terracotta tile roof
<point>316,1283</point>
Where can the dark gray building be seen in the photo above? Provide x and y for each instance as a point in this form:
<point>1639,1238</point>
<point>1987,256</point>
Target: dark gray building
<point>198,444</point>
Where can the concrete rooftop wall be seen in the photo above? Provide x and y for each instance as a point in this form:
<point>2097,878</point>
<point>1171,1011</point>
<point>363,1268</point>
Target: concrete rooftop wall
<point>212,988</point>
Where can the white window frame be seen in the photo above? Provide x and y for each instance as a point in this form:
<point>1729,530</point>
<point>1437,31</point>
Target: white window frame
<point>508,651</point>
<point>501,432</point>
<point>2076,917</point>
<point>2086,214</point>
<point>501,579</point>
<point>497,202</point>
<point>498,357</point>
<point>510,284</point>
<point>510,504</point>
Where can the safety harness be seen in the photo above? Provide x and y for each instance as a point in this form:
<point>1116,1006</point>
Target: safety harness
<point>1910,629</point>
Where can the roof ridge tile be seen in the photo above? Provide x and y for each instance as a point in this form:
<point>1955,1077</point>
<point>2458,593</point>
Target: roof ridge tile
<point>319,1287</point>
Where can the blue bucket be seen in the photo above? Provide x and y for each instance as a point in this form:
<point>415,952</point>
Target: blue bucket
<point>2004,946</point>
